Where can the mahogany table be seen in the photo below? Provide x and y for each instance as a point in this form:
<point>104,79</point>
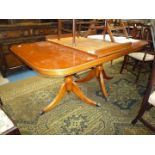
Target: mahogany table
<point>100,48</point>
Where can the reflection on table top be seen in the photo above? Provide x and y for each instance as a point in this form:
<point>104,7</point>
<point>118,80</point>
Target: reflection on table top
<point>50,57</point>
<point>97,46</point>
<point>118,39</point>
<point>136,44</point>
<point>84,44</point>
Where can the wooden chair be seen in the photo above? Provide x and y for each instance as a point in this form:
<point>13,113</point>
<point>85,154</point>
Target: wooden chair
<point>139,59</point>
<point>110,27</point>
<point>94,26</point>
<point>83,25</point>
<point>135,30</point>
<point>115,28</point>
<point>148,100</point>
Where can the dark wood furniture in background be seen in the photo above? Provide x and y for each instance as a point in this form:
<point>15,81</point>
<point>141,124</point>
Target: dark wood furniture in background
<point>66,26</point>
<point>135,27</point>
<point>83,26</point>
<point>19,31</point>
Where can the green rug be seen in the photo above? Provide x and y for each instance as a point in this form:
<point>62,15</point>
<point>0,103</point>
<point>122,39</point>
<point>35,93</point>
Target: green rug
<point>23,100</point>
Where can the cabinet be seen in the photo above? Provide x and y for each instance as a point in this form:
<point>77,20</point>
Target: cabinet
<point>21,31</point>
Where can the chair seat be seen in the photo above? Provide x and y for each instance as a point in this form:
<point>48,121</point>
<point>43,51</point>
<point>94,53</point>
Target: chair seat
<point>5,122</point>
<point>152,98</point>
<point>140,56</point>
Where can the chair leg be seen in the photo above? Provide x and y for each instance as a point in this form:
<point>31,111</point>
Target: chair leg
<point>141,112</point>
<point>145,104</point>
<point>111,62</point>
<point>134,66</point>
<point>138,75</point>
<point>139,72</point>
<point>124,63</point>
<point>1,103</point>
<point>151,127</point>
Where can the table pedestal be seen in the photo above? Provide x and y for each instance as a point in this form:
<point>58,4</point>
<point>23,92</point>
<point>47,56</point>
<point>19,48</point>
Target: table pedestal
<point>68,86</point>
<point>100,74</point>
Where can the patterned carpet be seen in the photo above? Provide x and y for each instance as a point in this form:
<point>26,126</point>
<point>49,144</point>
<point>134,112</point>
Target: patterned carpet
<point>24,99</point>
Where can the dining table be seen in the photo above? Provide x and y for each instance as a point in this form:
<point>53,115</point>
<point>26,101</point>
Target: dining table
<point>60,58</point>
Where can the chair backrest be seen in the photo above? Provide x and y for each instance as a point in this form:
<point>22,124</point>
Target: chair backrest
<point>153,32</point>
<point>94,26</point>
<point>146,35</point>
<point>151,83</point>
<point>135,30</point>
<point>115,27</point>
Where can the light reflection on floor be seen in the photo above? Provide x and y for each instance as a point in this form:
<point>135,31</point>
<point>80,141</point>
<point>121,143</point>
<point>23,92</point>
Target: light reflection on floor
<point>20,75</point>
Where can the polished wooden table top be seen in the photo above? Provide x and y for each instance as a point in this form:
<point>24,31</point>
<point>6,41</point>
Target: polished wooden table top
<point>100,47</point>
<point>60,58</point>
<point>52,59</point>
<point>84,44</point>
